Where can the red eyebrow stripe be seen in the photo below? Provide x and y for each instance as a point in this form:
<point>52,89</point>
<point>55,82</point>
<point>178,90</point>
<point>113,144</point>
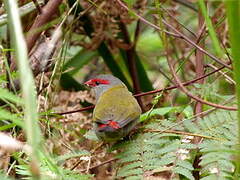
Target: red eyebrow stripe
<point>101,81</point>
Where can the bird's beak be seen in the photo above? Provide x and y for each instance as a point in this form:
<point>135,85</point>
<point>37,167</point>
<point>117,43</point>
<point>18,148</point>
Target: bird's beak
<point>89,83</point>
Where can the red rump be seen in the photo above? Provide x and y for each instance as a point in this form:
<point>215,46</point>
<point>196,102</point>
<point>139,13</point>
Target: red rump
<point>112,124</point>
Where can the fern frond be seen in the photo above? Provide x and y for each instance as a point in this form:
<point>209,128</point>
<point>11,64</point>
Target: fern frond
<point>153,152</point>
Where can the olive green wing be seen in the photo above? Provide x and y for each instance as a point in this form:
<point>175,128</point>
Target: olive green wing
<point>116,104</point>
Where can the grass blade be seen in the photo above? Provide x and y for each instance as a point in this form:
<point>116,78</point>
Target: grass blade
<point>26,80</point>
<point>233,14</point>
<point>211,30</point>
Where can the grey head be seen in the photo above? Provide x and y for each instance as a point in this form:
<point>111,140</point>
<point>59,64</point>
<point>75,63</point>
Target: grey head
<point>103,82</point>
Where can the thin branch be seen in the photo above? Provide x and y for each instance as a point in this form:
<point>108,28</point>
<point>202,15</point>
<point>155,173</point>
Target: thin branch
<point>183,133</point>
<point>149,92</point>
<point>196,46</point>
<point>183,89</point>
<point>228,78</point>
<point>175,33</point>
<point>136,33</point>
<point>47,12</point>
<point>185,84</point>
<point>101,164</point>
<point>145,21</point>
<point>131,53</point>
<point>181,24</point>
<point>75,111</point>
<point>199,72</point>
<point>200,58</point>
<point>202,114</point>
<point>187,4</point>
<point>37,6</point>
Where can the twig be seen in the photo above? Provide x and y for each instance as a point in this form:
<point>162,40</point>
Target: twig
<point>182,133</point>
<point>228,78</point>
<point>196,46</point>
<point>37,6</point>
<point>47,12</point>
<point>145,21</point>
<point>175,33</point>
<point>187,4</point>
<point>78,110</point>
<point>202,114</point>
<point>149,92</point>
<point>136,33</point>
<point>185,84</point>
<point>200,58</point>
<point>181,24</point>
<point>199,72</point>
<point>89,163</point>
<point>75,165</point>
<point>183,89</point>
<point>131,53</point>
<point>101,164</point>
<point>200,33</point>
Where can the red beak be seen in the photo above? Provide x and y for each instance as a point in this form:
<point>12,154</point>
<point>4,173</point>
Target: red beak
<point>89,83</point>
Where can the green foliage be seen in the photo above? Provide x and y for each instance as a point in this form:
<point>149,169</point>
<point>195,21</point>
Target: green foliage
<point>80,59</point>
<point>4,177</point>
<point>6,116</point>
<point>23,170</point>
<point>72,155</point>
<point>156,150</point>
<point>233,12</point>
<point>50,169</point>
<point>159,111</point>
<point>163,145</point>
<point>6,95</point>
<point>211,30</point>
<point>72,66</point>
<point>109,58</point>
<point>32,128</point>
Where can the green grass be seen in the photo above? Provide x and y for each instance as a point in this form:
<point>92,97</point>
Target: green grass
<point>27,83</point>
<point>233,13</point>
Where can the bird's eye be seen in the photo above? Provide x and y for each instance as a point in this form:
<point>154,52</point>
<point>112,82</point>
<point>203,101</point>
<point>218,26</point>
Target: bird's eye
<point>97,83</point>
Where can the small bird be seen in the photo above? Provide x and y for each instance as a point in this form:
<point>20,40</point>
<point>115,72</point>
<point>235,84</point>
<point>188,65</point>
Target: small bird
<point>116,111</point>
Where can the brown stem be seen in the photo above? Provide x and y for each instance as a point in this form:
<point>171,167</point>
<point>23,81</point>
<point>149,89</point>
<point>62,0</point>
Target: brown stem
<point>183,89</point>
<point>145,21</point>
<point>131,53</point>
<point>199,72</point>
<point>200,61</point>
<point>101,164</point>
<point>78,110</point>
<point>175,33</point>
<point>185,84</point>
<point>181,24</point>
<point>47,12</point>
<point>181,133</point>
<point>228,78</point>
<point>152,92</point>
<point>37,6</point>
<point>187,4</point>
<point>137,33</point>
<point>196,46</point>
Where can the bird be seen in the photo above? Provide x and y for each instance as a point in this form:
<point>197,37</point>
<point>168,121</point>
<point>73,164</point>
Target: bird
<point>116,110</point>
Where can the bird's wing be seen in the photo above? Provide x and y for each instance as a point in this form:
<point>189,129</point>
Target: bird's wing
<point>118,105</point>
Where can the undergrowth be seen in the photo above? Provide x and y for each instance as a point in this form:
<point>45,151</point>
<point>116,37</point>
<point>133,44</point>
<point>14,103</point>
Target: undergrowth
<point>155,150</point>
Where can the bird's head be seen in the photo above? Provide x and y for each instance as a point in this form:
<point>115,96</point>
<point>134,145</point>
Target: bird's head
<point>103,82</point>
